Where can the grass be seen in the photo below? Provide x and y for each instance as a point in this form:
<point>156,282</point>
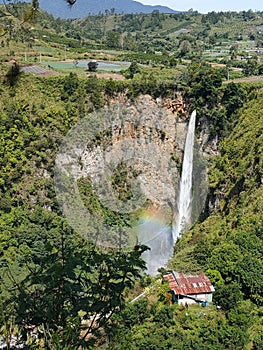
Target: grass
<point>82,67</point>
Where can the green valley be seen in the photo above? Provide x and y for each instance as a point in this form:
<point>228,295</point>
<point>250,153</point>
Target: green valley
<point>59,290</point>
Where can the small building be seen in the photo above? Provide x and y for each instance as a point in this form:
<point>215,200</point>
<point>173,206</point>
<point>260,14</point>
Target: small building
<point>92,65</point>
<point>190,289</point>
<point>183,31</point>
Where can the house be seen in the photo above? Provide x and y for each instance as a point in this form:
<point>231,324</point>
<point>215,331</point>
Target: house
<point>183,31</point>
<point>189,288</point>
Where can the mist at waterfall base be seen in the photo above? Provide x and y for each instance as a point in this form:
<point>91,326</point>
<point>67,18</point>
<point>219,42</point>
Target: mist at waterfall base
<point>155,233</point>
<point>158,237</point>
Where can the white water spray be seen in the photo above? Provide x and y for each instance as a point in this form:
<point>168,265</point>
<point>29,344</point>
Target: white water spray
<point>184,202</point>
<point>158,236</point>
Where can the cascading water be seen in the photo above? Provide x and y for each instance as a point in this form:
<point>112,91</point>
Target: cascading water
<point>184,202</point>
<point>159,237</point>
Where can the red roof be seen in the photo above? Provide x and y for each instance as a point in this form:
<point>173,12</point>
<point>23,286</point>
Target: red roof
<point>189,284</point>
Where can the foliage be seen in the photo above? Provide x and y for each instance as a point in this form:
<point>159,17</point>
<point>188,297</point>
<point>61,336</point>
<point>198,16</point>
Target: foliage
<point>66,287</point>
<point>174,327</point>
<point>12,75</point>
<point>49,277</point>
<point>133,69</point>
<point>62,281</point>
<point>92,66</point>
<point>233,98</point>
<point>230,246</point>
<point>152,39</point>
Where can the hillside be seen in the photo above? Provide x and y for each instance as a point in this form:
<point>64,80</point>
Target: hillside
<point>232,39</point>
<point>76,293</point>
<point>83,8</point>
<point>227,245</point>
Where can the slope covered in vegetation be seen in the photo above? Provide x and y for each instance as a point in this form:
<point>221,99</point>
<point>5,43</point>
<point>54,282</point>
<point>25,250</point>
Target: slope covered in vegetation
<point>236,193</point>
<point>36,241</point>
<point>227,245</point>
<point>53,279</point>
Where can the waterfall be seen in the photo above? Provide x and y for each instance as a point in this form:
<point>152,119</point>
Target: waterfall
<point>184,202</point>
<point>157,235</point>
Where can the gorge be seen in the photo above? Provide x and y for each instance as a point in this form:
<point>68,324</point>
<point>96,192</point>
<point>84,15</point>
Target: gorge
<point>140,156</point>
<point>161,246</point>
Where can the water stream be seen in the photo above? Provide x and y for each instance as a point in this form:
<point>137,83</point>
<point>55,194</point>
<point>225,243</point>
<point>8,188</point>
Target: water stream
<point>184,202</point>
<point>158,236</point>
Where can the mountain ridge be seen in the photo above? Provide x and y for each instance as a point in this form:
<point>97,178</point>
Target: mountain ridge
<point>83,8</point>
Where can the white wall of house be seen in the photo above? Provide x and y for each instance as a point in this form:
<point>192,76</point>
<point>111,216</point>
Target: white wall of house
<point>202,297</point>
<point>183,301</point>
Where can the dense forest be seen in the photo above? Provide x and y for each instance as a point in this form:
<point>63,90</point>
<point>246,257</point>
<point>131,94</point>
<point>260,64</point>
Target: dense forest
<point>60,291</point>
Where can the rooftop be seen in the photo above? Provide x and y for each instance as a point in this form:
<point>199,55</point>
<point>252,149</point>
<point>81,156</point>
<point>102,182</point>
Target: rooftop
<point>189,284</point>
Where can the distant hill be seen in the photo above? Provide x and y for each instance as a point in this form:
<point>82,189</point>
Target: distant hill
<point>83,8</point>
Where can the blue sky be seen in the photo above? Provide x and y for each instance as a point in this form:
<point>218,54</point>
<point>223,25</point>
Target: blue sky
<point>208,5</point>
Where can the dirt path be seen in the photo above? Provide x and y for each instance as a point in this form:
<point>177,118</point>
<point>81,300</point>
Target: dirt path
<point>254,79</point>
<point>114,76</point>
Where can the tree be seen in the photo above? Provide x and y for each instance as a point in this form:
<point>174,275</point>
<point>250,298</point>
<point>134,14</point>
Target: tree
<point>70,86</point>
<point>251,67</point>
<point>13,74</point>
<point>113,39</point>
<point>258,341</point>
<point>225,258</point>
<point>227,296</point>
<point>215,277</point>
<point>17,14</point>
<point>72,288</point>
<point>233,51</point>
<point>184,48</point>
<point>250,273</point>
<point>133,69</point>
<point>233,98</point>
<point>205,82</point>
<point>92,66</point>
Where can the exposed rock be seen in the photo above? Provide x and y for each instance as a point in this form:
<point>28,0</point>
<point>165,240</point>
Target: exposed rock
<point>178,106</point>
<point>141,136</point>
<point>145,137</point>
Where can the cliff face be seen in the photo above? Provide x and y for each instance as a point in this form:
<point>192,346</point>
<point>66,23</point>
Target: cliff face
<point>132,155</point>
<point>148,139</point>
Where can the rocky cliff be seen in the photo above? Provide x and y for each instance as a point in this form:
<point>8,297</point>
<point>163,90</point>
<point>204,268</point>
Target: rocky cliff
<point>132,154</point>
